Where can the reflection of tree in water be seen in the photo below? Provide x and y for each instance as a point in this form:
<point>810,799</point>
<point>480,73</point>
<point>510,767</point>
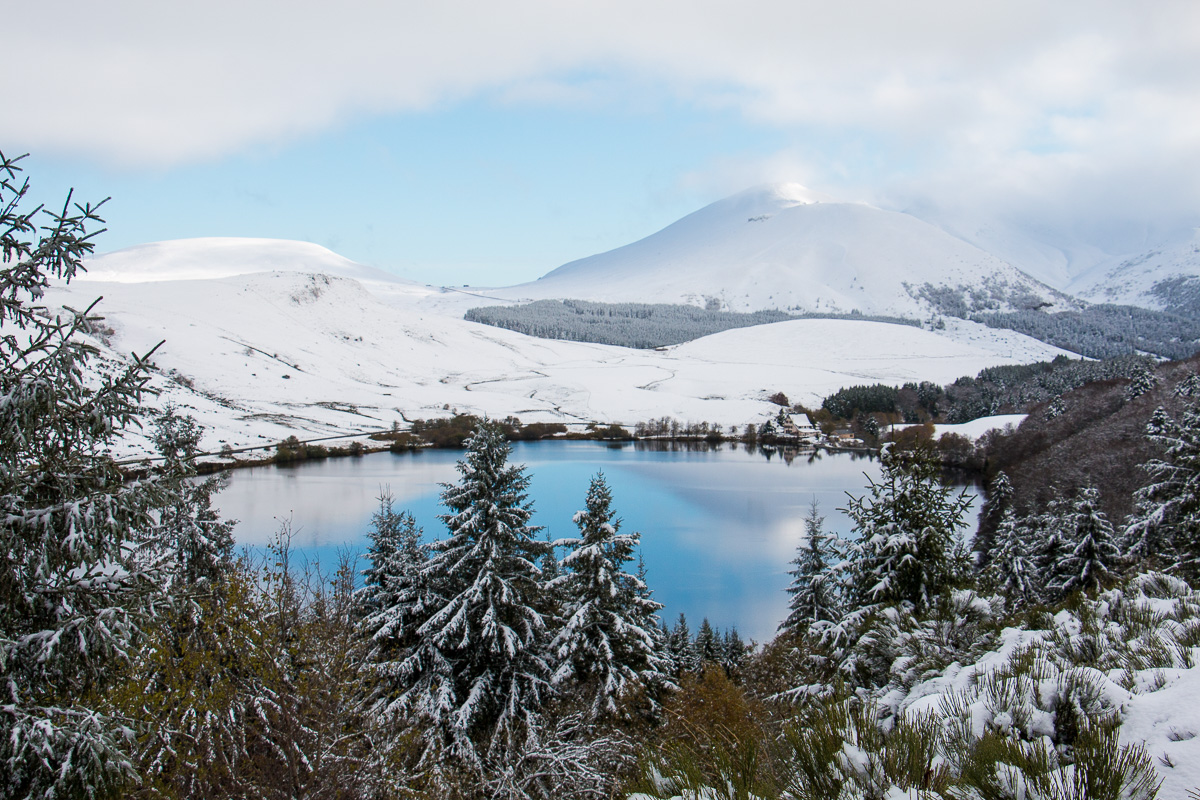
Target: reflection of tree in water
<point>788,453</point>
<point>682,446</point>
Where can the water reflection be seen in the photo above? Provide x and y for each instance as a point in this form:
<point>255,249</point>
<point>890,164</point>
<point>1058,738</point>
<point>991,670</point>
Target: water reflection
<point>719,522</point>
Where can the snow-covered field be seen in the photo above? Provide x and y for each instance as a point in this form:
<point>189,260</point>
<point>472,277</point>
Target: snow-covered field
<point>977,427</point>
<point>327,348</point>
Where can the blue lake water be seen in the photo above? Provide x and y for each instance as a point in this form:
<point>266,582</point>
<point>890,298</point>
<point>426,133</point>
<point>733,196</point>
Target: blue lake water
<point>718,526</point>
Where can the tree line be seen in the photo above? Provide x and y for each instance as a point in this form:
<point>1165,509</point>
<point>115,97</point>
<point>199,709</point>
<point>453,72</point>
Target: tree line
<point>994,390</point>
<point>637,325</point>
<point>1102,330</point>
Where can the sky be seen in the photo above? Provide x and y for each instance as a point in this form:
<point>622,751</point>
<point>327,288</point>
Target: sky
<point>488,143</point>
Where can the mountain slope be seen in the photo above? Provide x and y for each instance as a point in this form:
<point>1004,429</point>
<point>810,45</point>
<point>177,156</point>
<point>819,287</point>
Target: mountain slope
<point>1165,278</point>
<point>781,246</point>
<point>258,357</point>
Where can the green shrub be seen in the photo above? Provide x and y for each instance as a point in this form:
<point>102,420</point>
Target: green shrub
<point>537,430</point>
<point>452,432</point>
<point>611,432</point>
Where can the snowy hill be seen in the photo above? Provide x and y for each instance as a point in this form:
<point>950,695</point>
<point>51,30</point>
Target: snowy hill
<point>195,259</point>
<point>260,356</point>
<point>782,246</point>
<point>1097,262</point>
<point>1166,278</point>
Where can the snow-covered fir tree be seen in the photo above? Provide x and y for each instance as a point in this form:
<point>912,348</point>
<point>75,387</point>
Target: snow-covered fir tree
<point>197,541</point>
<point>394,557</point>
<point>733,651</point>
<point>607,642</point>
<point>1165,525</point>
<point>907,526</point>
<point>707,646</point>
<point>1189,386</point>
<point>395,599</point>
<point>814,588</point>
<point>550,598</point>
<point>1141,382</point>
<point>995,505</point>
<point>188,690</point>
<point>480,668</point>
<point>551,567</point>
<point>646,616</point>
<point>73,530</point>
<point>1052,536</point>
<point>1094,555</point>
<point>1056,408</point>
<point>1011,570</point>
<point>680,649</point>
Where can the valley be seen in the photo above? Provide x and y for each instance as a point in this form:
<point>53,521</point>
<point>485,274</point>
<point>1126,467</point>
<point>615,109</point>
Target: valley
<point>264,339</point>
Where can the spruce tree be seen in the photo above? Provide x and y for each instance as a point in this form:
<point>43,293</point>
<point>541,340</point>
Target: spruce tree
<point>189,691</point>
<point>679,646</point>
<point>907,530</point>
<point>74,532</point>
<point>707,645</point>
<point>1056,408</point>
<point>551,567</point>
<point>1166,521</point>
<point>198,543</point>
<point>395,599</point>
<point>733,651</point>
<point>480,669</point>
<point>995,506</point>
<point>1141,382</point>
<point>1094,555</point>
<point>1189,386</point>
<point>1011,571</point>
<point>1052,534</point>
<point>608,640</point>
<point>646,616</point>
<point>814,588</point>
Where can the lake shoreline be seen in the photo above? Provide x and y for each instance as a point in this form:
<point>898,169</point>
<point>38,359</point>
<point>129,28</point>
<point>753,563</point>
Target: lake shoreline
<point>210,467</point>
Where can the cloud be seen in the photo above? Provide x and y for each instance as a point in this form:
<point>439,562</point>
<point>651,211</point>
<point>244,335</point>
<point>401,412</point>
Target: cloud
<point>152,82</point>
<point>1021,98</point>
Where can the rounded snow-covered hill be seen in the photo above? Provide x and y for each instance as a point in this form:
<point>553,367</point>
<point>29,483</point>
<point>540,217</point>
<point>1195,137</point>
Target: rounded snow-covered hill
<point>783,246</point>
<point>223,257</point>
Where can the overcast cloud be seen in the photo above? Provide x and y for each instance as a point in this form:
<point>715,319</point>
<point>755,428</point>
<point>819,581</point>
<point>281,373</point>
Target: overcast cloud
<point>1006,103</point>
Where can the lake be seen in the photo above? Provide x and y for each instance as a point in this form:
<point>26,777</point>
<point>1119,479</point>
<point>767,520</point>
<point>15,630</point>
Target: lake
<point>719,524</point>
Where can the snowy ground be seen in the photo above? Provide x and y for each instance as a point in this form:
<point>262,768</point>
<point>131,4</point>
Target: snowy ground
<point>328,347</point>
<point>1124,657</point>
<point>977,427</point>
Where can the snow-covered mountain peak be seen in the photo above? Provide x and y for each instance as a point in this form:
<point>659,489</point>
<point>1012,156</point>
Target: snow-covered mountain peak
<point>784,246</point>
<point>224,257</point>
<point>768,197</point>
